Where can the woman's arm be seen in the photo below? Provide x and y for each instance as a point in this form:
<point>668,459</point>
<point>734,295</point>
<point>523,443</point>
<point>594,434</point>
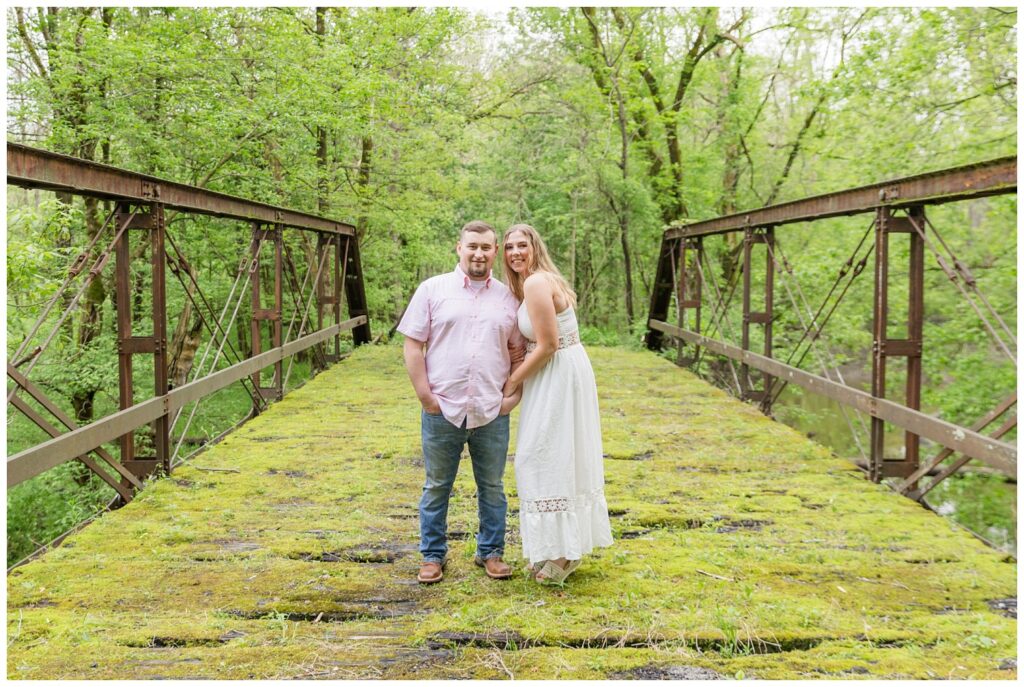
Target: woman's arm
<point>539,297</point>
<point>508,403</point>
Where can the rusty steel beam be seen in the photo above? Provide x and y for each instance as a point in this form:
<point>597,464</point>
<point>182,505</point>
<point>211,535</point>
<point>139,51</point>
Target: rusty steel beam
<point>961,461</point>
<point>989,178</point>
<point>697,246</point>
<point>270,315</point>
<point>276,333</point>
<point>161,383</point>
<point>340,263</point>
<point>324,247</point>
<point>33,168</point>
<point>907,488</point>
<point>997,454</point>
<point>128,345</point>
<point>122,490</point>
<point>684,300</point>
<point>123,308</point>
<point>910,347</point>
<point>39,397</point>
<point>661,291</point>
<point>766,237</point>
<point>71,445</point>
<point>355,291</point>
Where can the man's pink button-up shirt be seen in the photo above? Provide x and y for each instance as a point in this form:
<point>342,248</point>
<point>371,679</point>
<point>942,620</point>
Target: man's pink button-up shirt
<point>467,327</point>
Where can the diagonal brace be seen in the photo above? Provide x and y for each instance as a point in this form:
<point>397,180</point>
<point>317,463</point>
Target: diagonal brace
<point>906,487</point>
<point>41,422</point>
<point>37,394</point>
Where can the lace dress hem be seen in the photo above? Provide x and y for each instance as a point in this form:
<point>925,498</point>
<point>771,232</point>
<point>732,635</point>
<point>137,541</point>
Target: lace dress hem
<point>564,527</point>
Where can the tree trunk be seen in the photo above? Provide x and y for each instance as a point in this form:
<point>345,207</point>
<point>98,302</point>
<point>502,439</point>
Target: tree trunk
<point>242,335</point>
<point>572,243</point>
<point>627,259</point>
<point>139,280</point>
<point>64,247</point>
<point>628,263</point>
<point>90,321</point>
<point>794,148</point>
<point>363,182</point>
<point>90,324</point>
<point>186,337</point>
<point>321,131</point>
<point>729,132</point>
<point>607,79</point>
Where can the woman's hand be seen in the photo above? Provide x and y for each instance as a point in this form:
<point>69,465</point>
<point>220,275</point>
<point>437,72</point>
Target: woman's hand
<point>510,389</point>
<point>510,402</point>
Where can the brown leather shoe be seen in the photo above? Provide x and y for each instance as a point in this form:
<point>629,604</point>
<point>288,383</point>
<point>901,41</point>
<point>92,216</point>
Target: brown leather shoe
<point>430,572</point>
<point>495,568</point>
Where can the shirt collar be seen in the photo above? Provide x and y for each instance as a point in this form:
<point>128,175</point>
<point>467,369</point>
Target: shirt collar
<point>465,277</point>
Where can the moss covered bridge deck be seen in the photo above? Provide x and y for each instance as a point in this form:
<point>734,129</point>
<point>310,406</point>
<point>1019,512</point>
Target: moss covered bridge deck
<point>742,548</point>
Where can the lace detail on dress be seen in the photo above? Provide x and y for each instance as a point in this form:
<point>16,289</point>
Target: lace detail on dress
<point>547,505</point>
<point>570,339</point>
<point>561,504</point>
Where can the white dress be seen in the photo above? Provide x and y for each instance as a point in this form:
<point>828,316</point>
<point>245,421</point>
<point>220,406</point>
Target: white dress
<point>558,464</point>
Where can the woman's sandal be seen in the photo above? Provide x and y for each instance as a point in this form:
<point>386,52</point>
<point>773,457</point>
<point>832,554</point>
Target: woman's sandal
<point>553,573</point>
<point>533,568</point>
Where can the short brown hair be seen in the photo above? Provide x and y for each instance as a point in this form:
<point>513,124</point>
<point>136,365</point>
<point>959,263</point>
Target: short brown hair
<point>477,227</point>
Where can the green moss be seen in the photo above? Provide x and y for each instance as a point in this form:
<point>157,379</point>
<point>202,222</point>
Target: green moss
<point>741,547</point>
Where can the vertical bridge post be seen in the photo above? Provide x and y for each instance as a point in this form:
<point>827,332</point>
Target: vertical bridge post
<point>328,288</point>
<point>910,347</point>
<point>355,290</point>
<point>689,279</point>
<point>339,272</point>
<point>261,233</point>
<point>661,292</point>
<point>752,236</point>
<point>128,344</point>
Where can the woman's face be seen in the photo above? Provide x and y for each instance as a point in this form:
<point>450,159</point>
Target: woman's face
<point>518,253</point>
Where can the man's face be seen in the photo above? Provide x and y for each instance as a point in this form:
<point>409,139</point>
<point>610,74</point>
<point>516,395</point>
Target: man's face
<point>477,251</point>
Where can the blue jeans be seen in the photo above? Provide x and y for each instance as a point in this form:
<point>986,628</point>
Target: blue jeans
<point>442,447</point>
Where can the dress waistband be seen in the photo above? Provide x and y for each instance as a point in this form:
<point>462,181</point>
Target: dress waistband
<point>570,339</point>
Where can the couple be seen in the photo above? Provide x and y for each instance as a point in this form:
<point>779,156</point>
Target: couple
<point>473,348</point>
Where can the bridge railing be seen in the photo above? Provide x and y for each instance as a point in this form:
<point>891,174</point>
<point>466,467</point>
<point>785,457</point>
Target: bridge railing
<point>138,204</point>
<point>897,207</point>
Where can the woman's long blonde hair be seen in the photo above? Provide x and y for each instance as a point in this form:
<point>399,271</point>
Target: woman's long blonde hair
<point>540,262</point>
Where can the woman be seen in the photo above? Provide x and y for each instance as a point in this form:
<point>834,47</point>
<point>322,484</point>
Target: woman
<point>559,475</point>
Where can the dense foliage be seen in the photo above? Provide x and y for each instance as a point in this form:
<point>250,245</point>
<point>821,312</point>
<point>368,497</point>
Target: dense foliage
<point>598,126</point>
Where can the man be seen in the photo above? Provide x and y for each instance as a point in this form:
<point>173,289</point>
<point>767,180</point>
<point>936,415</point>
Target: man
<point>466,320</point>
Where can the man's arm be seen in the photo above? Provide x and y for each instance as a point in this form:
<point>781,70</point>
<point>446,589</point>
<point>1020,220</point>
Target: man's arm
<point>517,352</point>
<point>416,366</point>
<point>516,348</point>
